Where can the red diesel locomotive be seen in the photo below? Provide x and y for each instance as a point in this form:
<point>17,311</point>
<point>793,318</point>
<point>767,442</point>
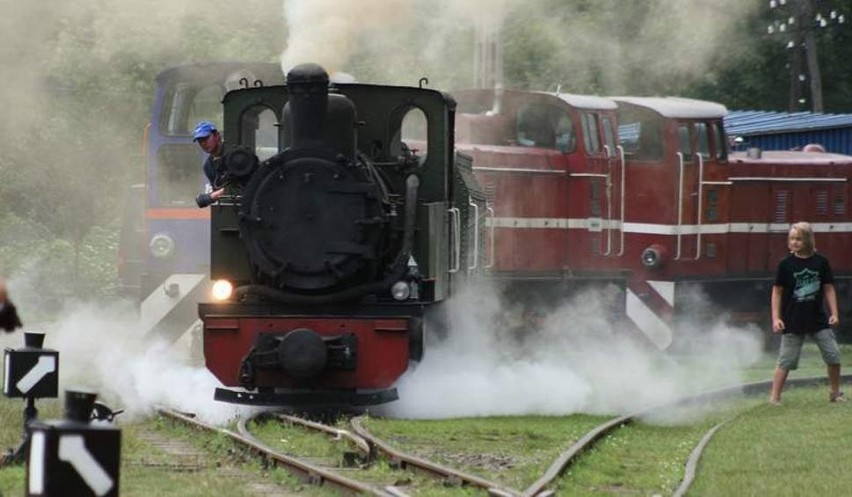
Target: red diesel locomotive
<point>639,191</point>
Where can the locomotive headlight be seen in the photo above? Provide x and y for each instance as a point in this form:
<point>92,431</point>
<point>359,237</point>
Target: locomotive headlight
<point>162,246</point>
<point>654,256</point>
<point>400,290</point>
<point>222,290</point>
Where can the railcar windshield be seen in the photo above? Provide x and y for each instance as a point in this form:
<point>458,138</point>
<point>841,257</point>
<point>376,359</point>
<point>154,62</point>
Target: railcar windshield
<point>640,133</point>
<point>519,119</point>
<point>187,103</point>
<point>546,126</point>
<point>259,128</point>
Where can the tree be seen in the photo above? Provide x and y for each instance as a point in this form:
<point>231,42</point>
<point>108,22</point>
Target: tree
<point>799,23</point>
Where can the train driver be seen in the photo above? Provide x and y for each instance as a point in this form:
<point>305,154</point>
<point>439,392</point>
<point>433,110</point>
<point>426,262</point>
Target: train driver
<point>210,141</point>
<point>9,320</point>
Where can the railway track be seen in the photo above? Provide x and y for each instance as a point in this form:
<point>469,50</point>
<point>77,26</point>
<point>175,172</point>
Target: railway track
<point>588,441</point>
<point>310,472</point>
<point>365,449</point>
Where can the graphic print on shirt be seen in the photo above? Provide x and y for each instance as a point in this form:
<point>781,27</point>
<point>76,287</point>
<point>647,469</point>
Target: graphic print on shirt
<point>807,285</point>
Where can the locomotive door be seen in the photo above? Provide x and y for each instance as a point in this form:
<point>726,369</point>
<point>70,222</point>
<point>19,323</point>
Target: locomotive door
<point>693,152</point>
<point>605,180</point>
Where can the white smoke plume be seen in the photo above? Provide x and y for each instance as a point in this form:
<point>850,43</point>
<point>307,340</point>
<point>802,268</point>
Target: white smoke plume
<point>590,47</point>
<point>102,350</point>
<point>577,360</point>
<point>327,32</point>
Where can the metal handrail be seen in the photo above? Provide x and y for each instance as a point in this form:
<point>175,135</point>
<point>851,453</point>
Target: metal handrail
<point>679,203</point>
<point>455,228</point>
<point>700,195</point>
<point>491,248</point>
<point>623,198</point>
<point>471,203</point>
<point>608,153</point>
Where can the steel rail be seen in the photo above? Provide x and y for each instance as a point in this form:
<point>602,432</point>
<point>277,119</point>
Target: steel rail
<point>406,461</point>
<point>358,442</point>
<point>571,455</point>
<point>309,472</point>
<point>692,463</point>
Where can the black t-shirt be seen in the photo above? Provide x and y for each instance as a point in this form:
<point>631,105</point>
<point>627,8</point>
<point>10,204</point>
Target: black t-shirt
<point>802,304</point>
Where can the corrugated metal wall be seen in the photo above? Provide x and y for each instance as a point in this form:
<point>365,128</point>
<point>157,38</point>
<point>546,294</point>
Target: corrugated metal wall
<point>838,141</point>
<point>785,131</point>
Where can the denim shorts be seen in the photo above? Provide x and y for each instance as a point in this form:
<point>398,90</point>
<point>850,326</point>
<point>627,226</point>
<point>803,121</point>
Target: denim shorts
<point>791,348</point>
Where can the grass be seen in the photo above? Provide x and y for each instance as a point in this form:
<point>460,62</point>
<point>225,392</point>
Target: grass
<point>645,458</point>
<point>798,448</point>
<point>146,470</point>
<point>794,449</point>
<point>300,442</point>
<point>514,451</point>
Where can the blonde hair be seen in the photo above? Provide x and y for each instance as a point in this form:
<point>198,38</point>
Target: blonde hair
<point>807,233</point>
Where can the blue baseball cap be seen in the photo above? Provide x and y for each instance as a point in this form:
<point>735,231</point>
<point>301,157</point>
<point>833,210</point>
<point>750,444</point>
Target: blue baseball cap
<point>203,130</point>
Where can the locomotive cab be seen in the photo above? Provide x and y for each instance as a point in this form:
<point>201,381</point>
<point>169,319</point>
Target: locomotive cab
<point>337,245</point>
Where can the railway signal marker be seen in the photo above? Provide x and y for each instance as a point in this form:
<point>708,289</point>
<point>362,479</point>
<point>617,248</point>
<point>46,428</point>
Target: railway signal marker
<point>32,373</point>
<point>71,456</point>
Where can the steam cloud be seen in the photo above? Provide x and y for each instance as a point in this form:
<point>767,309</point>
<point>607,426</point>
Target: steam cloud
<point>606,47</point>
<point>578,360</point>
<point>102,350</point>
<point>326,32</point>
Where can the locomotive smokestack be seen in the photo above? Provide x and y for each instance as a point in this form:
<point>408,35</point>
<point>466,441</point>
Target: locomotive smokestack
<point>308,86</point>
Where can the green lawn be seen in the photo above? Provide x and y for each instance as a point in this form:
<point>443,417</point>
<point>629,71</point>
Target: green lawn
<point>797,448</point>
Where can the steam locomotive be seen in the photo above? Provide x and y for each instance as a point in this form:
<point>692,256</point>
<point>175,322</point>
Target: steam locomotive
<point>349,219</point>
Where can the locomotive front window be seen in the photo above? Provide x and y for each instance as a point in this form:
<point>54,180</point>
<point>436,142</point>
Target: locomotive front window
<point>565,140</point>
<point>640,133</point>
<point>414,132</point>
<point>259,129</point>
<point>178,174</point>
<point>186,104</point>
<point>703,139</point>
<point>719,143</point>
<point>609,136</point>
<point>590,133</point>
<point>544,126</point>
<point>684,142</point>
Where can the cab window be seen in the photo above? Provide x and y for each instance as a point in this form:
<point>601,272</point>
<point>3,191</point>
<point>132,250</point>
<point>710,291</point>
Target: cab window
<point>702,140</point>
<point>609,135</point>
<point>590,133</point>
<point>259,129</point>
<point>640,133</point>
<point>719,143</point>
<point>684,142</point>
<point>186,104</point>
<point>545,126</point>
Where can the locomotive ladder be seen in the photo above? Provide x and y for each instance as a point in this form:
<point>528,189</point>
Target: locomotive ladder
<point>610,158</point>
<point>699,213</point>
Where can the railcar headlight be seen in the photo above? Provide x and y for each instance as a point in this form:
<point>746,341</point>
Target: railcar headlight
<point>222,290</point>
<point>400,290</point>
<point>162,246</point>
<point>654,256</point>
